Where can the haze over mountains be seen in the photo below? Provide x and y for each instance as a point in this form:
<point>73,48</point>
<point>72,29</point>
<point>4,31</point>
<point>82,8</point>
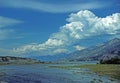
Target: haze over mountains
<point>51,57</point>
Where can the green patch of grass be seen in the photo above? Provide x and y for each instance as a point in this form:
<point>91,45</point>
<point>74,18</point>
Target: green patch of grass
<point>108,70</point>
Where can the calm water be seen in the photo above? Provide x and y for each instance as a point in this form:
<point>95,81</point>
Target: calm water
<point>39,73</point>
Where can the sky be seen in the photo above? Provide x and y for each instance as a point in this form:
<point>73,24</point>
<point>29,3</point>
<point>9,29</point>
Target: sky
<point>52,27</point>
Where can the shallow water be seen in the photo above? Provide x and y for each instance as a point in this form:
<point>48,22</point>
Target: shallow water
<point>42,73</point>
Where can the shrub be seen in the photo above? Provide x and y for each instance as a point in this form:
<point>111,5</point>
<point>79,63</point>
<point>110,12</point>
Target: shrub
<point>110,61</point>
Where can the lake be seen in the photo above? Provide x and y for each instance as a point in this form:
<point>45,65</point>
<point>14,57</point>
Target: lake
<point>43,73</point>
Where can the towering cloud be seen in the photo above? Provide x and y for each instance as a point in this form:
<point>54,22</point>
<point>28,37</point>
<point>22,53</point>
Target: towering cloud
<point>81,25</point>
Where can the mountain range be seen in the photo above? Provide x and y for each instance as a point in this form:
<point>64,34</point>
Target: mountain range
<point>104,51</point>
<point>48,58</point>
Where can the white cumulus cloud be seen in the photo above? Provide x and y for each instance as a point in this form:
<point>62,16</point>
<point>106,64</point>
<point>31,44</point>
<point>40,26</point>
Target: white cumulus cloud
<point>83,24</point>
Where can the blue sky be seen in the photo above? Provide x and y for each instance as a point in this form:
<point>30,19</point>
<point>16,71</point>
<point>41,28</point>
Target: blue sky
<point>50,27</point>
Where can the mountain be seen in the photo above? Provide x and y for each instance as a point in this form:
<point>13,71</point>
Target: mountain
<point>107,50</point>
<point>50,57</point>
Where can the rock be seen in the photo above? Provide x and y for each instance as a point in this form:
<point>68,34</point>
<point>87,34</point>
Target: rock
<point>2,74</point>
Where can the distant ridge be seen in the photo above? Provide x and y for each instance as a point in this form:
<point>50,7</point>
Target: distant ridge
<point>17,60</point>
<point>12,58</point>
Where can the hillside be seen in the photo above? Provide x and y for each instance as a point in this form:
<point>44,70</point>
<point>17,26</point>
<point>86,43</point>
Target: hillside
<point>107,50</point>
<point>17,60</point>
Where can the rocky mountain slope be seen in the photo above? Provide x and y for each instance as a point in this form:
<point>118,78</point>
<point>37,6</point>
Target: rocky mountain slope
<point>105,51</point>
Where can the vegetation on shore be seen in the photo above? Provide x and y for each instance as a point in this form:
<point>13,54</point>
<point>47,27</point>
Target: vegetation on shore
<point>105,69</point>
<point>111,61</point>
<point>110,70</point>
